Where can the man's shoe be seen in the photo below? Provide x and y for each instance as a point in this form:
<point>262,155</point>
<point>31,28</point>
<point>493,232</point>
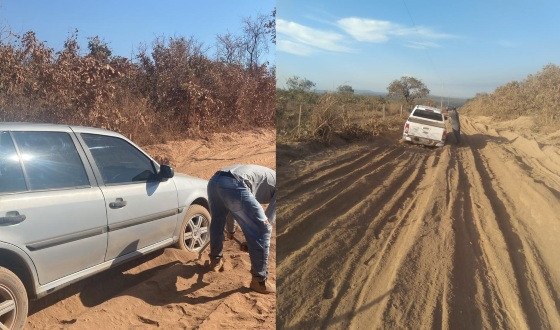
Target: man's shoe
<point>261,287</point>
<point>229,235</point>
<point>217,264</point>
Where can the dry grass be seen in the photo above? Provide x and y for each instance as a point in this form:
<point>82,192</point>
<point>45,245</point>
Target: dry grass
<point>335,115</point>
<point>537,96</point>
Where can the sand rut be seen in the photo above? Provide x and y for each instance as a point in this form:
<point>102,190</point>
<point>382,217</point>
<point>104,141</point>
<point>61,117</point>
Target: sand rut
<point>389,236</point>
<point>333,199</point>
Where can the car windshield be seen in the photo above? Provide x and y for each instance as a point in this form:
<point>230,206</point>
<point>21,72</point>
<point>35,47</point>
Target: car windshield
<point>427,114</point>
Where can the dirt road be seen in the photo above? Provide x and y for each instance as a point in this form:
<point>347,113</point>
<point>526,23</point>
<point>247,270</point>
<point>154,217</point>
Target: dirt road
<point>386,235</point>
<point>168,289</point>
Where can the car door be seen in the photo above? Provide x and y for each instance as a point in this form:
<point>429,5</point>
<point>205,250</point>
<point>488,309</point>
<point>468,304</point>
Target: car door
<point>50,204</point>
<point>141,209</point>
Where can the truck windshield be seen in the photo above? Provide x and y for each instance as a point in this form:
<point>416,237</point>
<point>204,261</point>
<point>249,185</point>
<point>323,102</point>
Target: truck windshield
<point>427,114</point>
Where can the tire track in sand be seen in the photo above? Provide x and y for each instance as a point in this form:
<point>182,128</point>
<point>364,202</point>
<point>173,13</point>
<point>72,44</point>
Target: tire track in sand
<point>324,166</point>
<point>448,238</point>
<point>532,279</point>
<point>321,187</point>
<point>374,246</point>
<point>376,198</point>
<point>334,200</point>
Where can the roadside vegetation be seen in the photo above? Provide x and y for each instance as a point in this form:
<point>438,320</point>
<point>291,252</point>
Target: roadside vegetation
<point>306,115</point>
<point>174,88</point>
<point>537,96</point>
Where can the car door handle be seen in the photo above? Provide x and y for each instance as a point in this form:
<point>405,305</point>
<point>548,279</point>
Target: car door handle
<point>117,204</point>
<point>12,218</point>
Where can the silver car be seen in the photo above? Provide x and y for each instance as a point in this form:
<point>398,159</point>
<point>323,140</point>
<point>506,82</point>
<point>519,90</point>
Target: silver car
<point>75,201</point>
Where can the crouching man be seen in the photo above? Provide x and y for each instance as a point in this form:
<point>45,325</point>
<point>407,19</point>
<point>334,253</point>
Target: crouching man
<point>240,189</point>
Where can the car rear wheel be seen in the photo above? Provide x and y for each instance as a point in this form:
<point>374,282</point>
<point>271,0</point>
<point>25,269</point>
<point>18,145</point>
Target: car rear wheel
<point>195,230</point>
<point>13,301</point>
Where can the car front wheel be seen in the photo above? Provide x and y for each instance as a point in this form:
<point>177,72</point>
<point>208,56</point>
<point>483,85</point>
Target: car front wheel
<point>13,301</point>
<point>195,230</point>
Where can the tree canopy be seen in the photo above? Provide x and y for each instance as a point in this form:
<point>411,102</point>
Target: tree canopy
<point>345,89</point>
<point>296,83</point>
<point>408,89</point>
<point>99,48</point>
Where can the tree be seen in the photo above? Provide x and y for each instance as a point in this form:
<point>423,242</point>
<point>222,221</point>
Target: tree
<point>229,48</point>
<point>99,49</point>
<point>271,26</point>
<point>408,89</point>
<point>345,89</point>
<point>297,84</point>
<point>255,39</point>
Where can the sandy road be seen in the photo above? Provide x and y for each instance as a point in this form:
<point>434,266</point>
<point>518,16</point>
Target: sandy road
<point>386,235</point>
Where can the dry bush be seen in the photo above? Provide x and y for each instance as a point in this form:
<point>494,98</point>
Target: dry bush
<point>352,117</point>
<point>334,115</point>
<point>175,90</point>
<point>378,126</point>
<point>326,118</point>
<point>352,131</point>
<point>537,96</point>
<point>289,105</point>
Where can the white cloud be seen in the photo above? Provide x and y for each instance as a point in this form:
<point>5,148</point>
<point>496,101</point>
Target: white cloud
<point>367,29</point>
<point>423,32</point>
<point>302,35</point>
<point>421,44</point>
<point>292,47</point>
<point>371,30</point>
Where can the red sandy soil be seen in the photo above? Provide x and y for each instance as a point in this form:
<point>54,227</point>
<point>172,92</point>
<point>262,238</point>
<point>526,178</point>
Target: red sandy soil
<point>168,289</point>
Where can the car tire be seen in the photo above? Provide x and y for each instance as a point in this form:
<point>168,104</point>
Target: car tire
<point>195,229</point>
<point>13,300</point>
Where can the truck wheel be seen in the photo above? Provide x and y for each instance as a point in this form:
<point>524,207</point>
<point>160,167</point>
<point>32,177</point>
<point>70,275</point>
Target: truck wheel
<point>195,230</point>
<point>13,301</point>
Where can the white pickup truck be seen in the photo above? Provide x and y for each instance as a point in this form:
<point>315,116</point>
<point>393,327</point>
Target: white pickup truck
<point>425,125</point>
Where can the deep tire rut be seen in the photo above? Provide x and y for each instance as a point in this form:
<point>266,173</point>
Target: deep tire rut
<point>381,236</point>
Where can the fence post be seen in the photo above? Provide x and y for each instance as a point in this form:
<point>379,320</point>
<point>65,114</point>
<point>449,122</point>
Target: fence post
<point>401,110</point>
<point>299,120</point>
<point>384,111</point>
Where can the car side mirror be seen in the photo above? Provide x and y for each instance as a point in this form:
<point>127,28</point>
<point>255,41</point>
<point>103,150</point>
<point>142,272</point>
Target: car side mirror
<point>166,172</point>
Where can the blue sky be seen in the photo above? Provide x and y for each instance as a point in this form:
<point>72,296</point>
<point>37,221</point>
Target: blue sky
<point>127,24</point>
<point>457,48</point>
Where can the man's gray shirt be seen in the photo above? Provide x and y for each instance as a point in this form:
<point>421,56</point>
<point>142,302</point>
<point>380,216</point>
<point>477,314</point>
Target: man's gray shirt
<point>261,181</point>
<point>454,118</point>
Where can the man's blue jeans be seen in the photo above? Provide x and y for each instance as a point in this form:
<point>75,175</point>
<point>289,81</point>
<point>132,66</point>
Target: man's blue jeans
<point>227,194</point>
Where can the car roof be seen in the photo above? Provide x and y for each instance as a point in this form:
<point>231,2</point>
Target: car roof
<point>425,107</point>
<point>13,126</point>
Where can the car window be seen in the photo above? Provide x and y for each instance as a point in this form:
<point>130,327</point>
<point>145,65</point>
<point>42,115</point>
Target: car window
<point>427,114</point>
<point>119,161</point>
<point>51,160</point>
<point>11,174</point>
